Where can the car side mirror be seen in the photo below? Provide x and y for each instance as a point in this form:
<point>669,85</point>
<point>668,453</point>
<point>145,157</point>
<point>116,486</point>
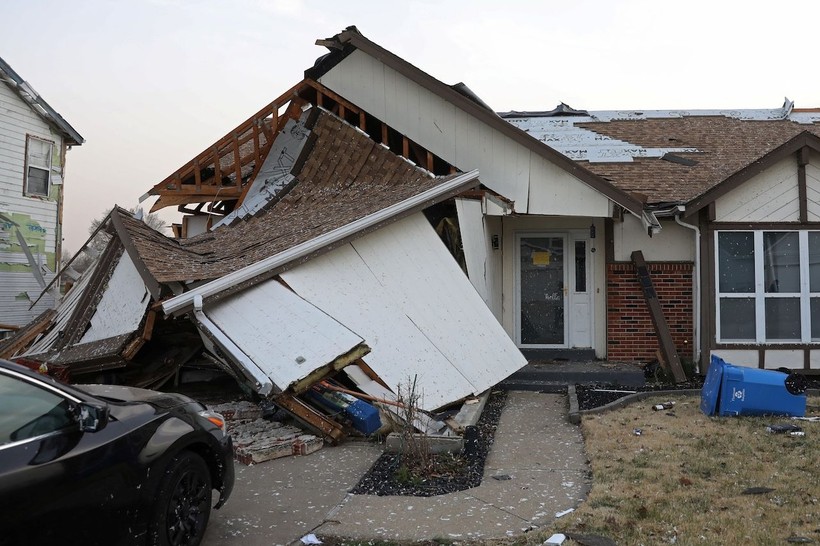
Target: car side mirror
<point>92,417</point>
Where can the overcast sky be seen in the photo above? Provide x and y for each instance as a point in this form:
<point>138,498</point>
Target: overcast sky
<point>151,83</point>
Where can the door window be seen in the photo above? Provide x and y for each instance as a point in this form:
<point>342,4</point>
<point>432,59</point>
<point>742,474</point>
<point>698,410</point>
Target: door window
<point>542,293</point>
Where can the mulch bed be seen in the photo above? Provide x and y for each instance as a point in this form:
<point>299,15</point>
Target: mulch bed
<point>463,472</point>
<point>593,396</point>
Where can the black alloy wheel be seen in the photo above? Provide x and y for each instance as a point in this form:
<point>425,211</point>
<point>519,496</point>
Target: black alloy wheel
<point>184,502</point>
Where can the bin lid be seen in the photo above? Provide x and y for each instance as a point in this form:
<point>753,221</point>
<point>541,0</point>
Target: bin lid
<point>710,392</point>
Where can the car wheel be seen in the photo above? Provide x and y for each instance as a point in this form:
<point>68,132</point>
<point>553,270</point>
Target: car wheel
<point>184,502</point>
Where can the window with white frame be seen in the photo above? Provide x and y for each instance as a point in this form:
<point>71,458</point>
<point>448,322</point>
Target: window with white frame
<point>38,165</point>
<point>768,286</point>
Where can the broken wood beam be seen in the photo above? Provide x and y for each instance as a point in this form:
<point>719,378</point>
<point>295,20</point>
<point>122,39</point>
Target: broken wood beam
<point>667,346</point>
<point>326,427</point>
<point>22,337</point>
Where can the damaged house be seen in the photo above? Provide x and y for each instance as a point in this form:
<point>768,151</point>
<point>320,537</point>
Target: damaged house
<point>330,264</point>
<point>34,139</point>
<point>326,239</point>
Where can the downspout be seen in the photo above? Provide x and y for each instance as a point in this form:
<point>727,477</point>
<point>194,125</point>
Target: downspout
<point>697,295</point>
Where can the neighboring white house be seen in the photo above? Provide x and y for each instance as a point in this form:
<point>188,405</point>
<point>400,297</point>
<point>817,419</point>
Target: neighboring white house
<point>33,143</point>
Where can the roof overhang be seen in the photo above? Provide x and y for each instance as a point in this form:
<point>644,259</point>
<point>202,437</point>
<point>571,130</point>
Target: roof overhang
<point>39,105</point>
<point>268,267</point>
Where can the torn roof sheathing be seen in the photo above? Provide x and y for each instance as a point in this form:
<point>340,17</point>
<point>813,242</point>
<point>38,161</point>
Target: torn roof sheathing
<point>287,338</point>
<point>403,293</point>
<point>627,147</point>
<point>345,176</point>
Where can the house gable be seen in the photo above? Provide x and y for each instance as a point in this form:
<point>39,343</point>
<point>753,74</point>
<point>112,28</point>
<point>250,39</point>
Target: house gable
<point>464,132</point>
<point>769,189</point>
<point>771,196</point>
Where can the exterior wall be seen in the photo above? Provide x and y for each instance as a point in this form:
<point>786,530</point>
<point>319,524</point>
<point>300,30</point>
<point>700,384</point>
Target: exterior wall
<point>772,196</point>
<point>37,218</point>
<point>533,183</point>
<point>674,243</point>
<point>630,333</point>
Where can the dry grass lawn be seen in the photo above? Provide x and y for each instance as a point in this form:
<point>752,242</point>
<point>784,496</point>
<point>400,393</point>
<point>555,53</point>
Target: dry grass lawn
<point>681,481</point>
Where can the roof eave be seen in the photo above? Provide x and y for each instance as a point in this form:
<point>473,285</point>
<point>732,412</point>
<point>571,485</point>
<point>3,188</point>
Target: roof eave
<point>48,114</point>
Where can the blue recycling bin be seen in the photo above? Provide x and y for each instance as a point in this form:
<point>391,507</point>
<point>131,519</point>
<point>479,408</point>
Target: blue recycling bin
<point>737,390</point>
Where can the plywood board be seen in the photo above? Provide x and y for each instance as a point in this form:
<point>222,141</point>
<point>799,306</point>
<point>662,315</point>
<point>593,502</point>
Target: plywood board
<point>285,336</point>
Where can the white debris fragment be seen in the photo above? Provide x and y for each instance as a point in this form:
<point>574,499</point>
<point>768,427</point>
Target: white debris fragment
<point>555,540</point>
<point>310,539</point>
<point>564,513</point>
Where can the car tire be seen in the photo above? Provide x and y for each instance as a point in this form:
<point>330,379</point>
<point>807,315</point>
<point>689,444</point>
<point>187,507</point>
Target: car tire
<point>183,503</point>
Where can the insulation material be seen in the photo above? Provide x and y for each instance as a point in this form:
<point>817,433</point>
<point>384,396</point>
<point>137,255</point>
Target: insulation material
<point>286,337</point>
<point>404,294</point>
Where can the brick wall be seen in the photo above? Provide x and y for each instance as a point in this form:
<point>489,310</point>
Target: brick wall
<point>630,334</point>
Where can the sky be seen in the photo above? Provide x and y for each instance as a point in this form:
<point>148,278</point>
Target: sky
<point>151,83</point>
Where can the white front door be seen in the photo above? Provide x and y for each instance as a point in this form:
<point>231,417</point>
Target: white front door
<point>553,307</point>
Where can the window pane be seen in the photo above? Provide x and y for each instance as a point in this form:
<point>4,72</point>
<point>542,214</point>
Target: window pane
<point>37,181</point>
<point>736,265</point>
<point>580,266</point>
<point>783,319</point>
<point>814,261</point>
<point>737,319</point>
<point>781,262</point>
<point>815,319</point>
<point>39,153</point>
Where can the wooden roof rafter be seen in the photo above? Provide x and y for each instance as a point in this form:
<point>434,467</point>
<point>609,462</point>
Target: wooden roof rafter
<point>211,177</point>
<point>219,171</point>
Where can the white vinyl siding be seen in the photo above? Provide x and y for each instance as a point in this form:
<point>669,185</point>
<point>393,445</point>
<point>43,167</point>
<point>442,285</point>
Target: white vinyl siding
<point>771,196</point>
<point>535,184</point>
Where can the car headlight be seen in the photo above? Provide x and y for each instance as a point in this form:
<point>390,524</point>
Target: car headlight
<point>214,418</point>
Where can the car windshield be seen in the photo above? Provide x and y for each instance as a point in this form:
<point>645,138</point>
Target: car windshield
<point>28,411</point>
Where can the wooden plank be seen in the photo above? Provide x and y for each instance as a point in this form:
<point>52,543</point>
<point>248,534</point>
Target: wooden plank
<point>385,135</point>
<point>668,350</point>
<point>197,176</point>
<point>21,338</point>
<point>304,413</point>
<point>237,162</point>
<point>362,121</point>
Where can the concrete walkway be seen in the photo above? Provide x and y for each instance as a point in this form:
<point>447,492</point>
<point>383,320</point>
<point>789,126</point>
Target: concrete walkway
<point>536,468</point>
<point>541,454</point>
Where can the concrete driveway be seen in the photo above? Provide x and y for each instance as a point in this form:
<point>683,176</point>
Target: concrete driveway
<point>280,501</point>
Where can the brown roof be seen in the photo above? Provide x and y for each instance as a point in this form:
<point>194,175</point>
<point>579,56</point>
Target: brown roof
<point>345,177</point>
<point>725,146</point>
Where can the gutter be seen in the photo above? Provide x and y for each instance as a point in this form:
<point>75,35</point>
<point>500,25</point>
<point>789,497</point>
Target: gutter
<point>184,302</point>
<point>697,294</point>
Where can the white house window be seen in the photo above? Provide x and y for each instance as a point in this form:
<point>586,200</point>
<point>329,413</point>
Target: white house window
<point>768,286</point>
<point>38,165</point>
